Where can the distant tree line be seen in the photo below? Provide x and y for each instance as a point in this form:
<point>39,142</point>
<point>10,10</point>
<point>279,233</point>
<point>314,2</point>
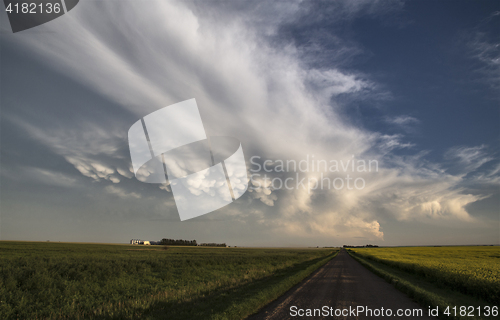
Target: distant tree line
<point>180,242</point>
<point>213,245</point>
<point>366,246</point>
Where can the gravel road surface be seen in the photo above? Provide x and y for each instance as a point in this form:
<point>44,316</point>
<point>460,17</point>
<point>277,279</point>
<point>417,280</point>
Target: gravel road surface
<point>343,284</point>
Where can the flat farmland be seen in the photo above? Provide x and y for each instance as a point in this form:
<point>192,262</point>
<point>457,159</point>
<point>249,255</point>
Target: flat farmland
<point>467,277</point>
<point>97,281</point>
<point>470,270</point>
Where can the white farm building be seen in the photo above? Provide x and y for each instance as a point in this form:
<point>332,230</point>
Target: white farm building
<point>139,241</point>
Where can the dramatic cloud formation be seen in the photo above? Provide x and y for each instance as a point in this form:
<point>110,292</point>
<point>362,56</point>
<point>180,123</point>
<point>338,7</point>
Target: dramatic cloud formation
<point>249,83</point>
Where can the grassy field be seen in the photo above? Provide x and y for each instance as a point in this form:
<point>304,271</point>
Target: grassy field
<point>439,276</point>
<point>97,281</point>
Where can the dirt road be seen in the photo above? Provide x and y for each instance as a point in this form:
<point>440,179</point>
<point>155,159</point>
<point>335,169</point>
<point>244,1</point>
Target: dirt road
<point>342,286</point>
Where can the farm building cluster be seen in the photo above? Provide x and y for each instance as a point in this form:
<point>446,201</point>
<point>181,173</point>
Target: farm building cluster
<point>143,242</point>
<point>172,242</point>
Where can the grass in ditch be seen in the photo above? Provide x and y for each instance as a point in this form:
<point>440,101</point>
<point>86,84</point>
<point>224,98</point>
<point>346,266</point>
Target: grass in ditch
<point>92,281</point>
<point>425,290</point>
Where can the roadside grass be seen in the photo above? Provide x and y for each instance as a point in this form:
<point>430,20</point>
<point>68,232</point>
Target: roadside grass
<point>97,281</point>
<point>424,290</point>
<point>241,302</point>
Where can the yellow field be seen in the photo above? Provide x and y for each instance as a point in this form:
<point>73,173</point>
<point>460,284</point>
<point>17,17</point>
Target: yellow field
<point>473,270</point>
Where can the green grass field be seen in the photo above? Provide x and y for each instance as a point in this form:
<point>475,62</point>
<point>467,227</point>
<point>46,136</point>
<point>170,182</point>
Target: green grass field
<point>439,276</point>
<point>98,281</point>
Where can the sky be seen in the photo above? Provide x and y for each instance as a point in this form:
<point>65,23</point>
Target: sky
<point>413,86</point>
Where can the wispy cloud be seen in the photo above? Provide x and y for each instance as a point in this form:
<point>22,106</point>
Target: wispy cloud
<point>405,123</point>
<point>464,160</point>
<point>484,46</point>
<point>250,87</point>
<point>117,191</point>
<point>402,120</point>
<point>91,149</point>
<point>43,176</point>
<point>387,143</point>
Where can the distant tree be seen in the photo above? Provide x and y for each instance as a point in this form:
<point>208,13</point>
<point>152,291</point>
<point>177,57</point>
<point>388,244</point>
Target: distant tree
<point>179,242</point>
<point>213,245</point>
